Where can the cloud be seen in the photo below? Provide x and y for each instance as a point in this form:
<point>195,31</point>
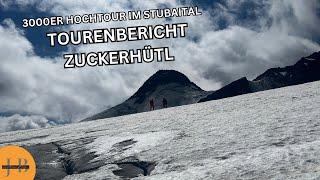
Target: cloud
<point>276,33</point>
<point>298,18</point>
<point>234,52</point>
<point>18,122</point>
<point>35,85</point>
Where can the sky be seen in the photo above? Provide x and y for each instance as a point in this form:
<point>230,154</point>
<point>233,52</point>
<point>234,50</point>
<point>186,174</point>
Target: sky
<point>232,39</point>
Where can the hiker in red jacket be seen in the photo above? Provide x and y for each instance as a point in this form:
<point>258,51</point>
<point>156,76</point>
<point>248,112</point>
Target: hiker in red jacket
<point>151,105</point>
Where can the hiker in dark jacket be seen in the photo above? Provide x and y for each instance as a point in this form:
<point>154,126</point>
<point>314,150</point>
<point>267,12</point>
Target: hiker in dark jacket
<point>164,103</point>
<point>151,105</point>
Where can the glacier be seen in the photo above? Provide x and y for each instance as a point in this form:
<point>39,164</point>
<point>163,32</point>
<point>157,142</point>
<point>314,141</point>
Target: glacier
<point>272,134</point>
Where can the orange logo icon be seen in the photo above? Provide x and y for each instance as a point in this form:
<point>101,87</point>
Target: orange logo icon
<point>16,163</point>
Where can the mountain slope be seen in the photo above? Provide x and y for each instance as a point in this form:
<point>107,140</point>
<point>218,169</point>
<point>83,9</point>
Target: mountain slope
<point>273,134</point>
<point>238,87</point>
<point>179,90</point>
<point>169,84</point>
<point>306,70</point>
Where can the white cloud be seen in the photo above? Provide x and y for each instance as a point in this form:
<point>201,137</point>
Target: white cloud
<point>18,122</point>
<point>299,18</point>
<point>32,84</point>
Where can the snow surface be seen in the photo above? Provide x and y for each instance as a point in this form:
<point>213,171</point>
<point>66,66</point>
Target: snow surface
<point>272,134</point>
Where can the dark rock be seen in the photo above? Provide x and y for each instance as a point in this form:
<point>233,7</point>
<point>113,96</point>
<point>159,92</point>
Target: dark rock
<point>47,158</point>
<point>169,84</point>
<point>179,90</point>
<point>134,169</point>
<point>306,70</point>
<point>236,88</point>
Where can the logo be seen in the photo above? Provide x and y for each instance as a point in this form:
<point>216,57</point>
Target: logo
<point>16,163</point>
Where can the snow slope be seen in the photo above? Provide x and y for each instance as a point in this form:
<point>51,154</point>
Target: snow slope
<point>272,134</point>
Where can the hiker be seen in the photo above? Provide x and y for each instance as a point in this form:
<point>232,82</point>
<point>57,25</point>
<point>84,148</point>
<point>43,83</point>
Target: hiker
<point>164,103</point>
<point>151,105</point>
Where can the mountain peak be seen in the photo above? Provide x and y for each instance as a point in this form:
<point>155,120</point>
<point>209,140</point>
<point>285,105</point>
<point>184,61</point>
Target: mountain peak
<point>170,84</point>
<point>179,90</point>
<point>163,77</point>
<point>167,76</point>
